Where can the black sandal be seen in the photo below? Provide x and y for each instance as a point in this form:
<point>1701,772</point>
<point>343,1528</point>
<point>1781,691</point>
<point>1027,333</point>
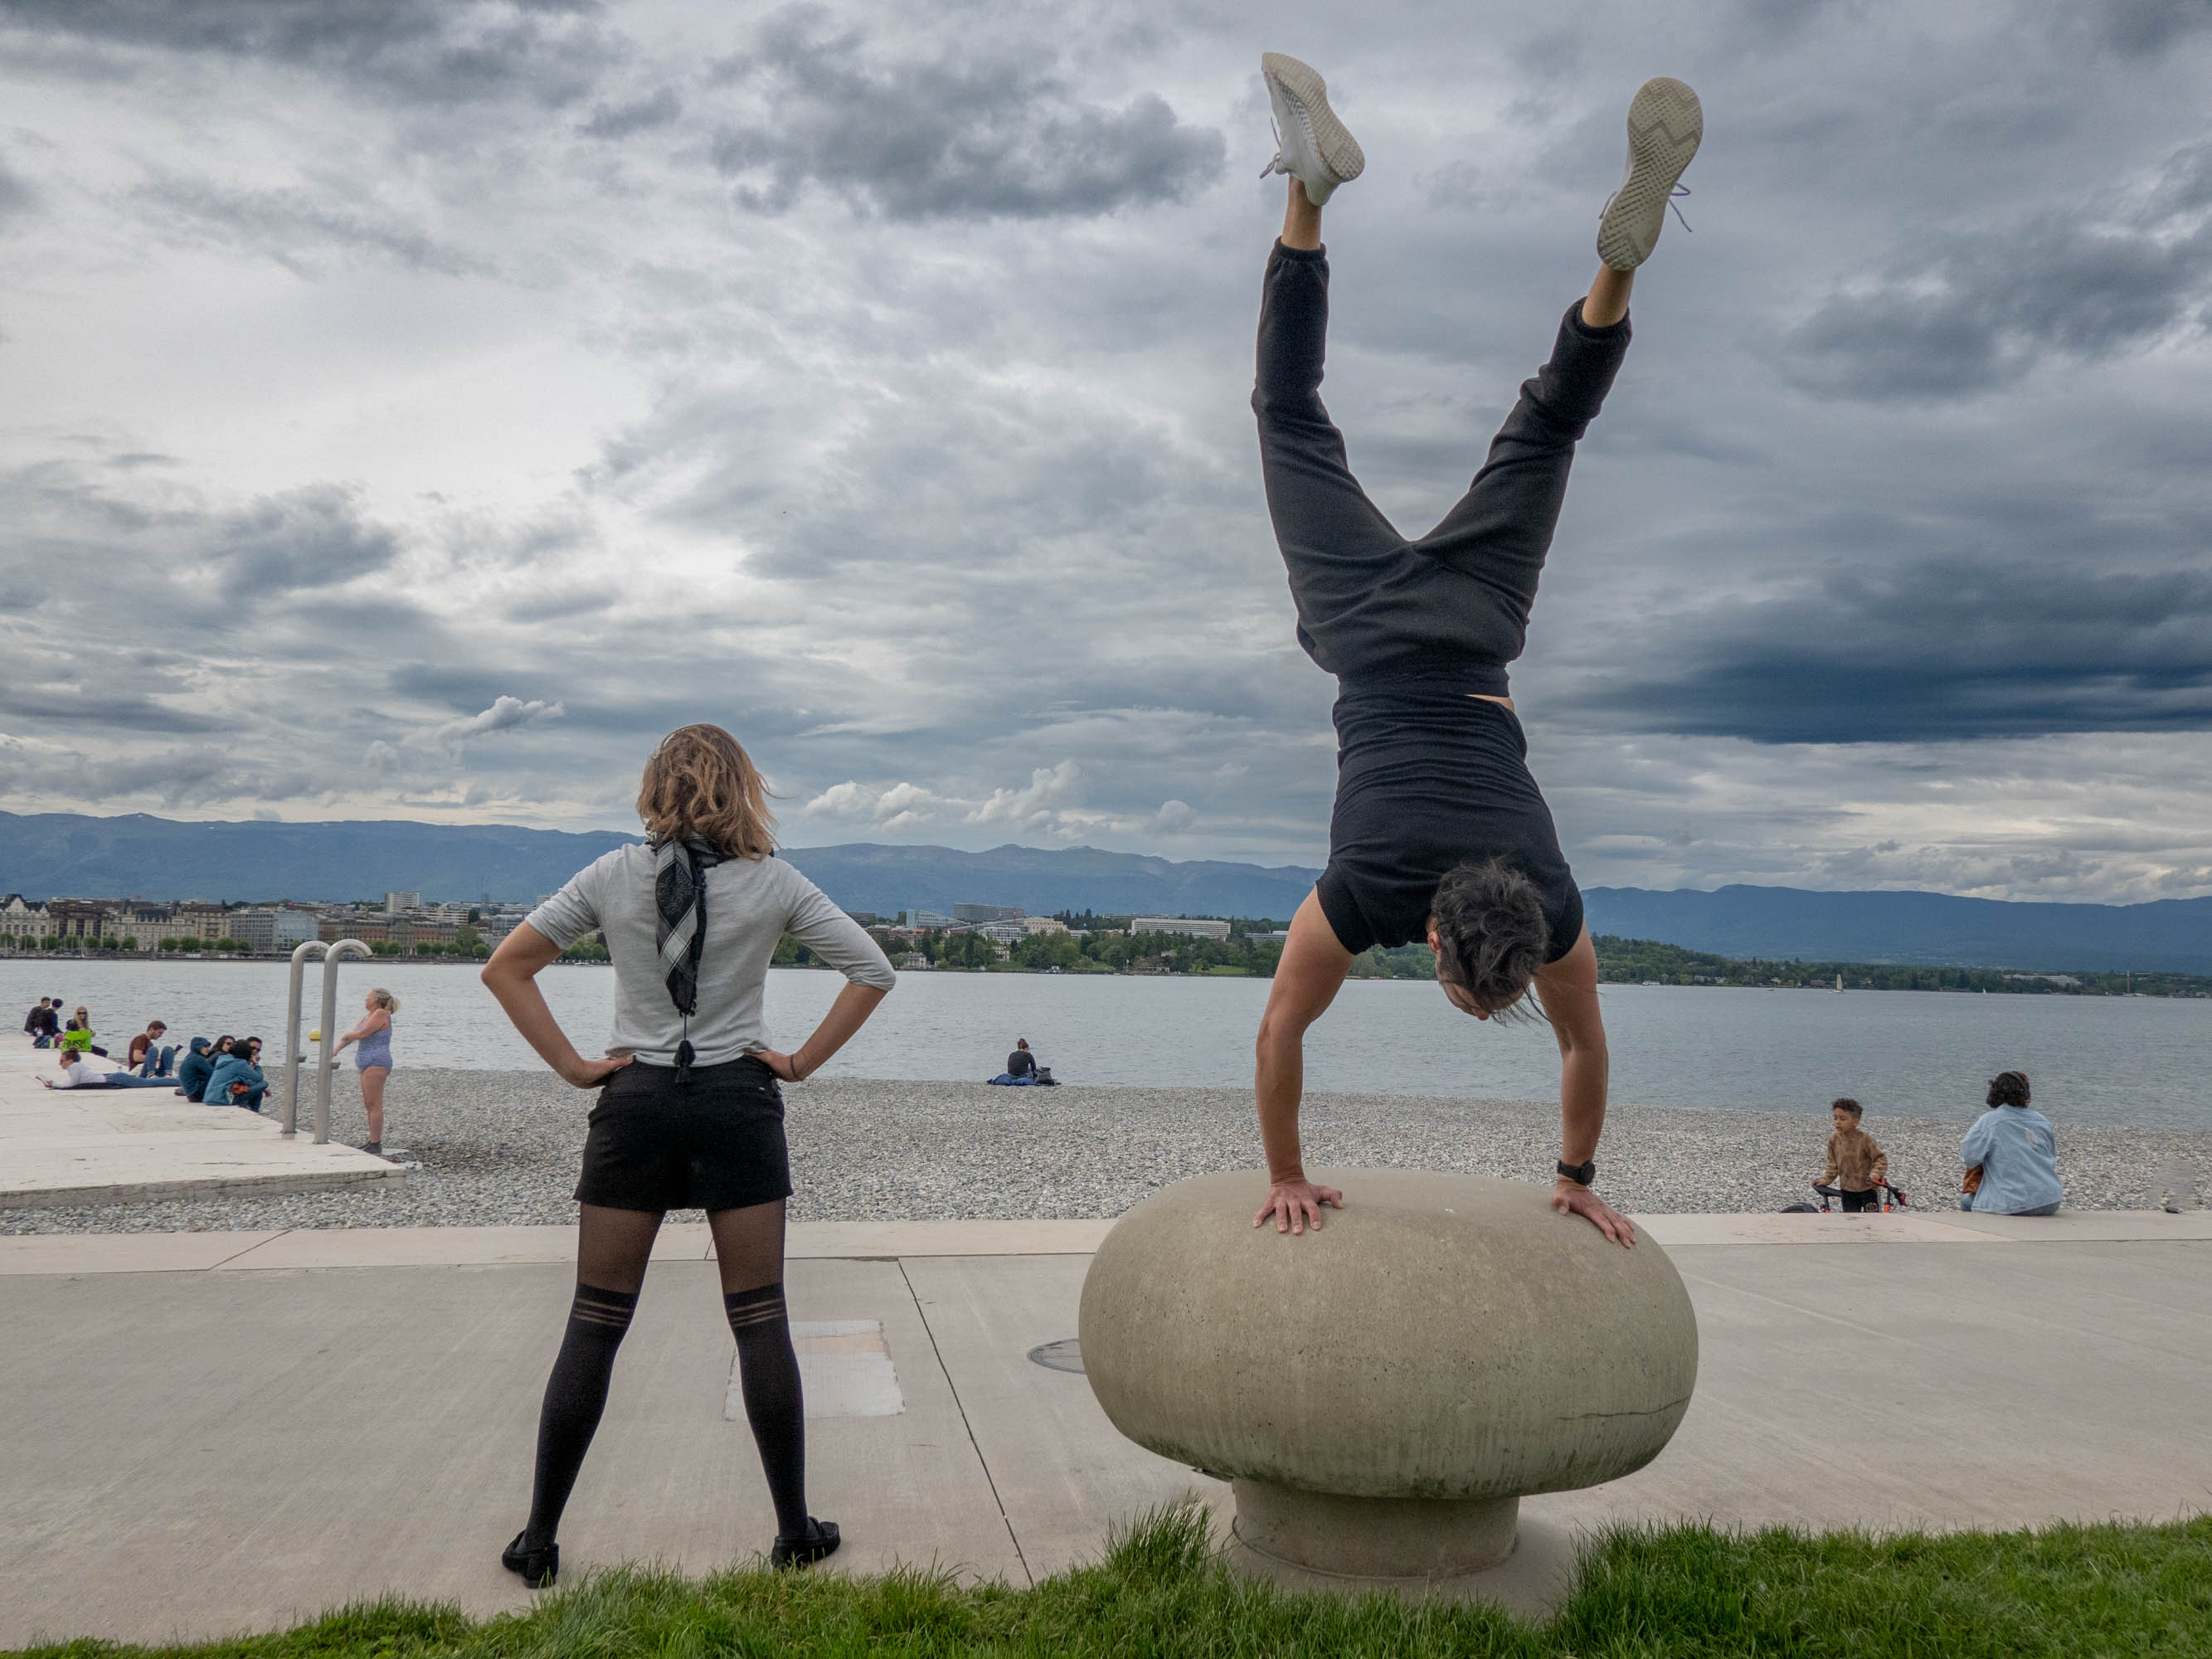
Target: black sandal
<point>821,1540</point>
<point>536,1568</point>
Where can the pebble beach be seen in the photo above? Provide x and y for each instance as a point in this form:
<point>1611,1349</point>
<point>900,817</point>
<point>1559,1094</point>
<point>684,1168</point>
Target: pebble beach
<point>499,1148</point>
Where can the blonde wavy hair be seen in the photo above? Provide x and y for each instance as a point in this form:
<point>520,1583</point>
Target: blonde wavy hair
<point>384,999</point>
<point>700,782</point>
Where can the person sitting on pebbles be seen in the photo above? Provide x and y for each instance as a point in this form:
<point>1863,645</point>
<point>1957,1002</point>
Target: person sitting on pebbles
<point>1856,1163</point>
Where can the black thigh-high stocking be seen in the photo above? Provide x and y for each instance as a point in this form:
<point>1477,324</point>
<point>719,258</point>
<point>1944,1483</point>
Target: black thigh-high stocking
<point>749,1245</point>
<point>611,1261</point>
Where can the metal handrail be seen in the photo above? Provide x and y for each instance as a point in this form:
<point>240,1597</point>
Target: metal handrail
<point>326,1062</point>
<point>292,1055</point>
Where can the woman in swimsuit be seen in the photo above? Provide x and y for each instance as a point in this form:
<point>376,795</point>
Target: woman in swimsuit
<point>372,1059</point>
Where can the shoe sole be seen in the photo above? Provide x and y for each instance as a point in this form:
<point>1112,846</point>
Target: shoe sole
<point>1337,149</point>
<point>1666,124</point>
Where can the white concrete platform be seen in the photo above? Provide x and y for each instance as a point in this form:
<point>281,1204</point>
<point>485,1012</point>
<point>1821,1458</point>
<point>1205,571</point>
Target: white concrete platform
<point>66,1146</point>
<point>210,1433</point>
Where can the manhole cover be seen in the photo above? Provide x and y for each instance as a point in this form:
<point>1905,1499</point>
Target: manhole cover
<point>1065,1355</point>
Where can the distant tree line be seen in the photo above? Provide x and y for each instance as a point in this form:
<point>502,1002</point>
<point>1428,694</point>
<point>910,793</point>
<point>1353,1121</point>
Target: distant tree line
<point>1641,961</point>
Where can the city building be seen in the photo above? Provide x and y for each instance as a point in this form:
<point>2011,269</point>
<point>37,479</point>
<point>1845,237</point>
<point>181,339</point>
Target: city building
<point>398,904</point>
<point>1194,927</point>
<point>21,920</point>
<point>921,918</point>
<point>196,919</point>
<point>986,912</point>
<point>273,930</point>
<point>1001,933</point>
<point>1043,924</point>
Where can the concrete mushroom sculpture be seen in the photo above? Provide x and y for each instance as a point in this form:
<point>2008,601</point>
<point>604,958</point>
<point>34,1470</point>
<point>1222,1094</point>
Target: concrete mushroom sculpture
<point>1383,1392</point>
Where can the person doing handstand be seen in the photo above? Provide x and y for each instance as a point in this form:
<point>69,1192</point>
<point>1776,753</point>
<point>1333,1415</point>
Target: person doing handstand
<point>1439,831</point>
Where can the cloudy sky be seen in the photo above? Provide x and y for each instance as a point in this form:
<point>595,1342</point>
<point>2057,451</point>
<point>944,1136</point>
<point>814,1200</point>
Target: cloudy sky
<point>415,407</point>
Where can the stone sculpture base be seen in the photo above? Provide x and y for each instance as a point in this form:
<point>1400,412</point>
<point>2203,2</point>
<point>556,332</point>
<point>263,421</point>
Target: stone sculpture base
<point>1460,1549</point>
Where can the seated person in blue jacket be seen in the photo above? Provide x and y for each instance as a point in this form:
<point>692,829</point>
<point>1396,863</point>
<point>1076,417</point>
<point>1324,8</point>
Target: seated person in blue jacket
<point>2012,1146</point>
<point>240,1065</point>
<point>195,1068</point>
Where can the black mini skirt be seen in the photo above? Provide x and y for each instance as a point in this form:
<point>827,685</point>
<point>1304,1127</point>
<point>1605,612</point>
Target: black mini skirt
<point>714,1142</point>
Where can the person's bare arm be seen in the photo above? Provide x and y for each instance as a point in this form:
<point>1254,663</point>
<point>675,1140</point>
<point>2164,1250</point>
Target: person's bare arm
<point>1568,990</point>
<point>512,976</point>
<point>847,1015</point>
<point>1307,980</point>
<point>373,1022</point>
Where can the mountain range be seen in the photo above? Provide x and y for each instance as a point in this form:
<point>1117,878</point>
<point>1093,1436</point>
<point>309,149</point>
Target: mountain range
<point>49,855</point>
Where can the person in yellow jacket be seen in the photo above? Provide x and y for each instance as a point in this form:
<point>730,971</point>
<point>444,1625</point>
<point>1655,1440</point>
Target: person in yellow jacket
<point>1857,1162</point>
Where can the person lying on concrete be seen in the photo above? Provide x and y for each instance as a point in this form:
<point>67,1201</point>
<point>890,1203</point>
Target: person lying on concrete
<point>1856,1165</point>
<point>1439,831</point>
<point>2016,1150</point>
<point>75,1070</point>
<point>692,1115</point>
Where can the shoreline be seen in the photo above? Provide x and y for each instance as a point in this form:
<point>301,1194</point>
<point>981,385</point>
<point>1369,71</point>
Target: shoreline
<point>503,1148</point>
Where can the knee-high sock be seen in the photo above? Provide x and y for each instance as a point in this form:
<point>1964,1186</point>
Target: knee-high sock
<point>576,1395</point>
<point>773,1403</point>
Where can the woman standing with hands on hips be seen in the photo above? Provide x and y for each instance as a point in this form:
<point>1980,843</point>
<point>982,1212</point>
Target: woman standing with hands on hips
<point>691,1116</point>
<point>372,1059</point>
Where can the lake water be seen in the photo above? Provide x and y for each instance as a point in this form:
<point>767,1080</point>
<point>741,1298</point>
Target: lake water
<point>2094,1059</point>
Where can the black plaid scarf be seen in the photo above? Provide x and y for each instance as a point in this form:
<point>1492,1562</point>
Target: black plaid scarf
<point>679,896</point>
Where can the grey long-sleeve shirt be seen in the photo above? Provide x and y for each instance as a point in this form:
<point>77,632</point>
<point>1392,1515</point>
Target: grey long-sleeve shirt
<point>751,904</point>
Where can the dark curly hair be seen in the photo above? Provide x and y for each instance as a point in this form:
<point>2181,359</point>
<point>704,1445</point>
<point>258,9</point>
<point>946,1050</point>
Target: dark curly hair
<point>1848,1104</point>
<point>1491,933</point>
<point>2009,1089</point>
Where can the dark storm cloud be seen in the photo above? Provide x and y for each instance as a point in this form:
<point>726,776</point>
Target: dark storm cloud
<point>1970,312</point>
<point>102,706</point>
<point>440,52</point>
<point>1956,648</point>
<point>639,115</point>
<point>976,133</point>
<point>312,537</point>
<point>2141,29</point>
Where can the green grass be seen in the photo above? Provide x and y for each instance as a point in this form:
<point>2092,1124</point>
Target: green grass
<point>2123,1591</point>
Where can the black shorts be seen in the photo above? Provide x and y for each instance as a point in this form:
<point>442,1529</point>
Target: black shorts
<point>715,1143</point>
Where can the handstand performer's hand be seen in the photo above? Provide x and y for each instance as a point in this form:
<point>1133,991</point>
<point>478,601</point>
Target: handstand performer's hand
<point>1571,1197</point>
<point>1296,1204</point>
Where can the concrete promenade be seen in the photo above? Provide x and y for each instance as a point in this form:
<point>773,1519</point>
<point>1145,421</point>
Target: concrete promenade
<point>60,1146</point>
<point>212,1432</point>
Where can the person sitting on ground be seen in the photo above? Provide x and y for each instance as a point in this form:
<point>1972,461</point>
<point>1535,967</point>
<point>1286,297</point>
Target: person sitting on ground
<point>49,1024</point>
<point>239,1065</point>
<point>198,1066</point>
<point>1439,831</point>
<point>34,1023</point>
<point>1856,1163</point>
<point>194,1070</point>
<point>1021,1062</point>
<point>2014,1147</point>
<point>149,1056</point>
<point>76,1035</point>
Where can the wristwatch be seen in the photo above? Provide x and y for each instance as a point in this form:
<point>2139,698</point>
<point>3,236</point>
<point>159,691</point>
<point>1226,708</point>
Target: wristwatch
<point>1581,1174</point>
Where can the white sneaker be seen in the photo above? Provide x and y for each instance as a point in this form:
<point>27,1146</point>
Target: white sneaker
<point>1665,124</point>
<point>1311,144</point>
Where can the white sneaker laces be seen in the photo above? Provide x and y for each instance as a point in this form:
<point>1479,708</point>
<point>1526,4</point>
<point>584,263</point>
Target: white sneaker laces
<point>1277,164</point>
